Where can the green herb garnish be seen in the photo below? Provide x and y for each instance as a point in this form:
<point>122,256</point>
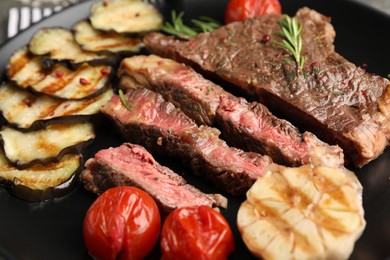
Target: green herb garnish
<point>205,24</point>
<point>178,28</point>
<point>291,32</point>
<point>124,100</point>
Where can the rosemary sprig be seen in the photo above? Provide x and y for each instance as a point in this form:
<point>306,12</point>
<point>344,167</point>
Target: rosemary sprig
<point>205,24</point>
<point>178,28</point>
<point>124,100</point>
<point>291,32</point>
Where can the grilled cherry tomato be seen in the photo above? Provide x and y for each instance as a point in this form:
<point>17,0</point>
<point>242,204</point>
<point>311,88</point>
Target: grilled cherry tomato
<point>123,223</point>
<point>196,233</point>
<point>237,10</point>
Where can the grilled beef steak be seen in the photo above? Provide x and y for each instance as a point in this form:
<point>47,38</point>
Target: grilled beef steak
<point>179,84</point>
<point>249,126</point>
<point>132,165</point>
<point>164,129</point>
<point>329,96</point>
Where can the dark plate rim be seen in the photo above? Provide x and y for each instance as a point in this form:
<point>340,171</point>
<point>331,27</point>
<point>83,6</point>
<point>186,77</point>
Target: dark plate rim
<point>73,8</point>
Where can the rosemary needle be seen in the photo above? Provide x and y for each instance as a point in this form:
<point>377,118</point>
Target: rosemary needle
<point>292,40</point>
<point>123,100</point>
<point>178,28</point>
<point>206,24</point>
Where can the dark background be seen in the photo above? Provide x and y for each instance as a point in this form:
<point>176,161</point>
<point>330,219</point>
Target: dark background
<point>52,230</point>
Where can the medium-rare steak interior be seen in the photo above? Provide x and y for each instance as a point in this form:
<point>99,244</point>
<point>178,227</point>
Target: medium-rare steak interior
<point>132,165</point>
<point>329,96</point>
<point>249,126</point>
<point>163,129</point>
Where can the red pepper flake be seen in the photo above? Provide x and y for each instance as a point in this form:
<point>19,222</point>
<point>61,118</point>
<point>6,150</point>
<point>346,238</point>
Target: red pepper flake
<point>345,82</point>
<point>364,93</point>
<point>83,81</point>
<point>59,74</point>
<point>160,62</point>
<point>66,106</point>
<point>265,38</point>
<point>104,71</point>
<point>314,63</point>
<point>192,44</point>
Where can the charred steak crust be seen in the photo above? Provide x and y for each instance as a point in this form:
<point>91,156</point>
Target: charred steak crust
<point>132,165</point>
<point>250,126</point>
<point>161,128</point>
<point>333,98</point>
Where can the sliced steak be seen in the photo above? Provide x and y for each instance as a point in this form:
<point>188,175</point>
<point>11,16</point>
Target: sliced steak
<point>331,97</point>
<point>253,126</point>
<point>161,128</point>
<point>132,165</point>
<point>178,83</point>
<point>249,126</point>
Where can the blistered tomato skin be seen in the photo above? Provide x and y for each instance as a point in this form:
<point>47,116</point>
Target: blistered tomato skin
<point>196,233</point>
<point>238,10</point>
<point>123,223</point>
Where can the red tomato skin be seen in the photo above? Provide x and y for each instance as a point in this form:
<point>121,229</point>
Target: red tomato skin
<point>123,223</point>
<point>238,10</point>
<point>196,233</point>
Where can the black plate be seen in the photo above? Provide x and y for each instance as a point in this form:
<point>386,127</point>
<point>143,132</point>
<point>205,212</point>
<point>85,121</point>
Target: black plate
<point>52,229</point>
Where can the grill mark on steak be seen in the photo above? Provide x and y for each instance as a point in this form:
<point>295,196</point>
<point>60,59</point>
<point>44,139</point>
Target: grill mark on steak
<point>161,128</point>
<point>249,126</point>
<point>334,99</point>
<point>132,165</point>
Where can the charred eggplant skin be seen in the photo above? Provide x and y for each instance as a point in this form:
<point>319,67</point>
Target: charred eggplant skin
<point>66,50</point>
<point>27,111</point>
<point>88,81</point>
<point>76,148</point>
<point>109,43</point>
<point>29,194</point>
<point>45,161</point>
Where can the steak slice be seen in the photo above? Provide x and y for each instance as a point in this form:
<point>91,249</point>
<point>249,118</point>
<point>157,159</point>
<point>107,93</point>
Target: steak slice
<point>132,165</point>
<point>330,96</point>
<point>162,128</point>
<point>253,126</point>
<point>249,126</point>
<point>179,84</point>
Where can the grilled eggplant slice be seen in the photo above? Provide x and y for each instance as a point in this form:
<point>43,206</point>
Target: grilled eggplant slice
<point>94,40</point>
<point>58,44</point>
<point>38,182</point>
<point>125,16</point>
<point>25,110</point>
<point>85,82</point>
<point>23,149</point>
